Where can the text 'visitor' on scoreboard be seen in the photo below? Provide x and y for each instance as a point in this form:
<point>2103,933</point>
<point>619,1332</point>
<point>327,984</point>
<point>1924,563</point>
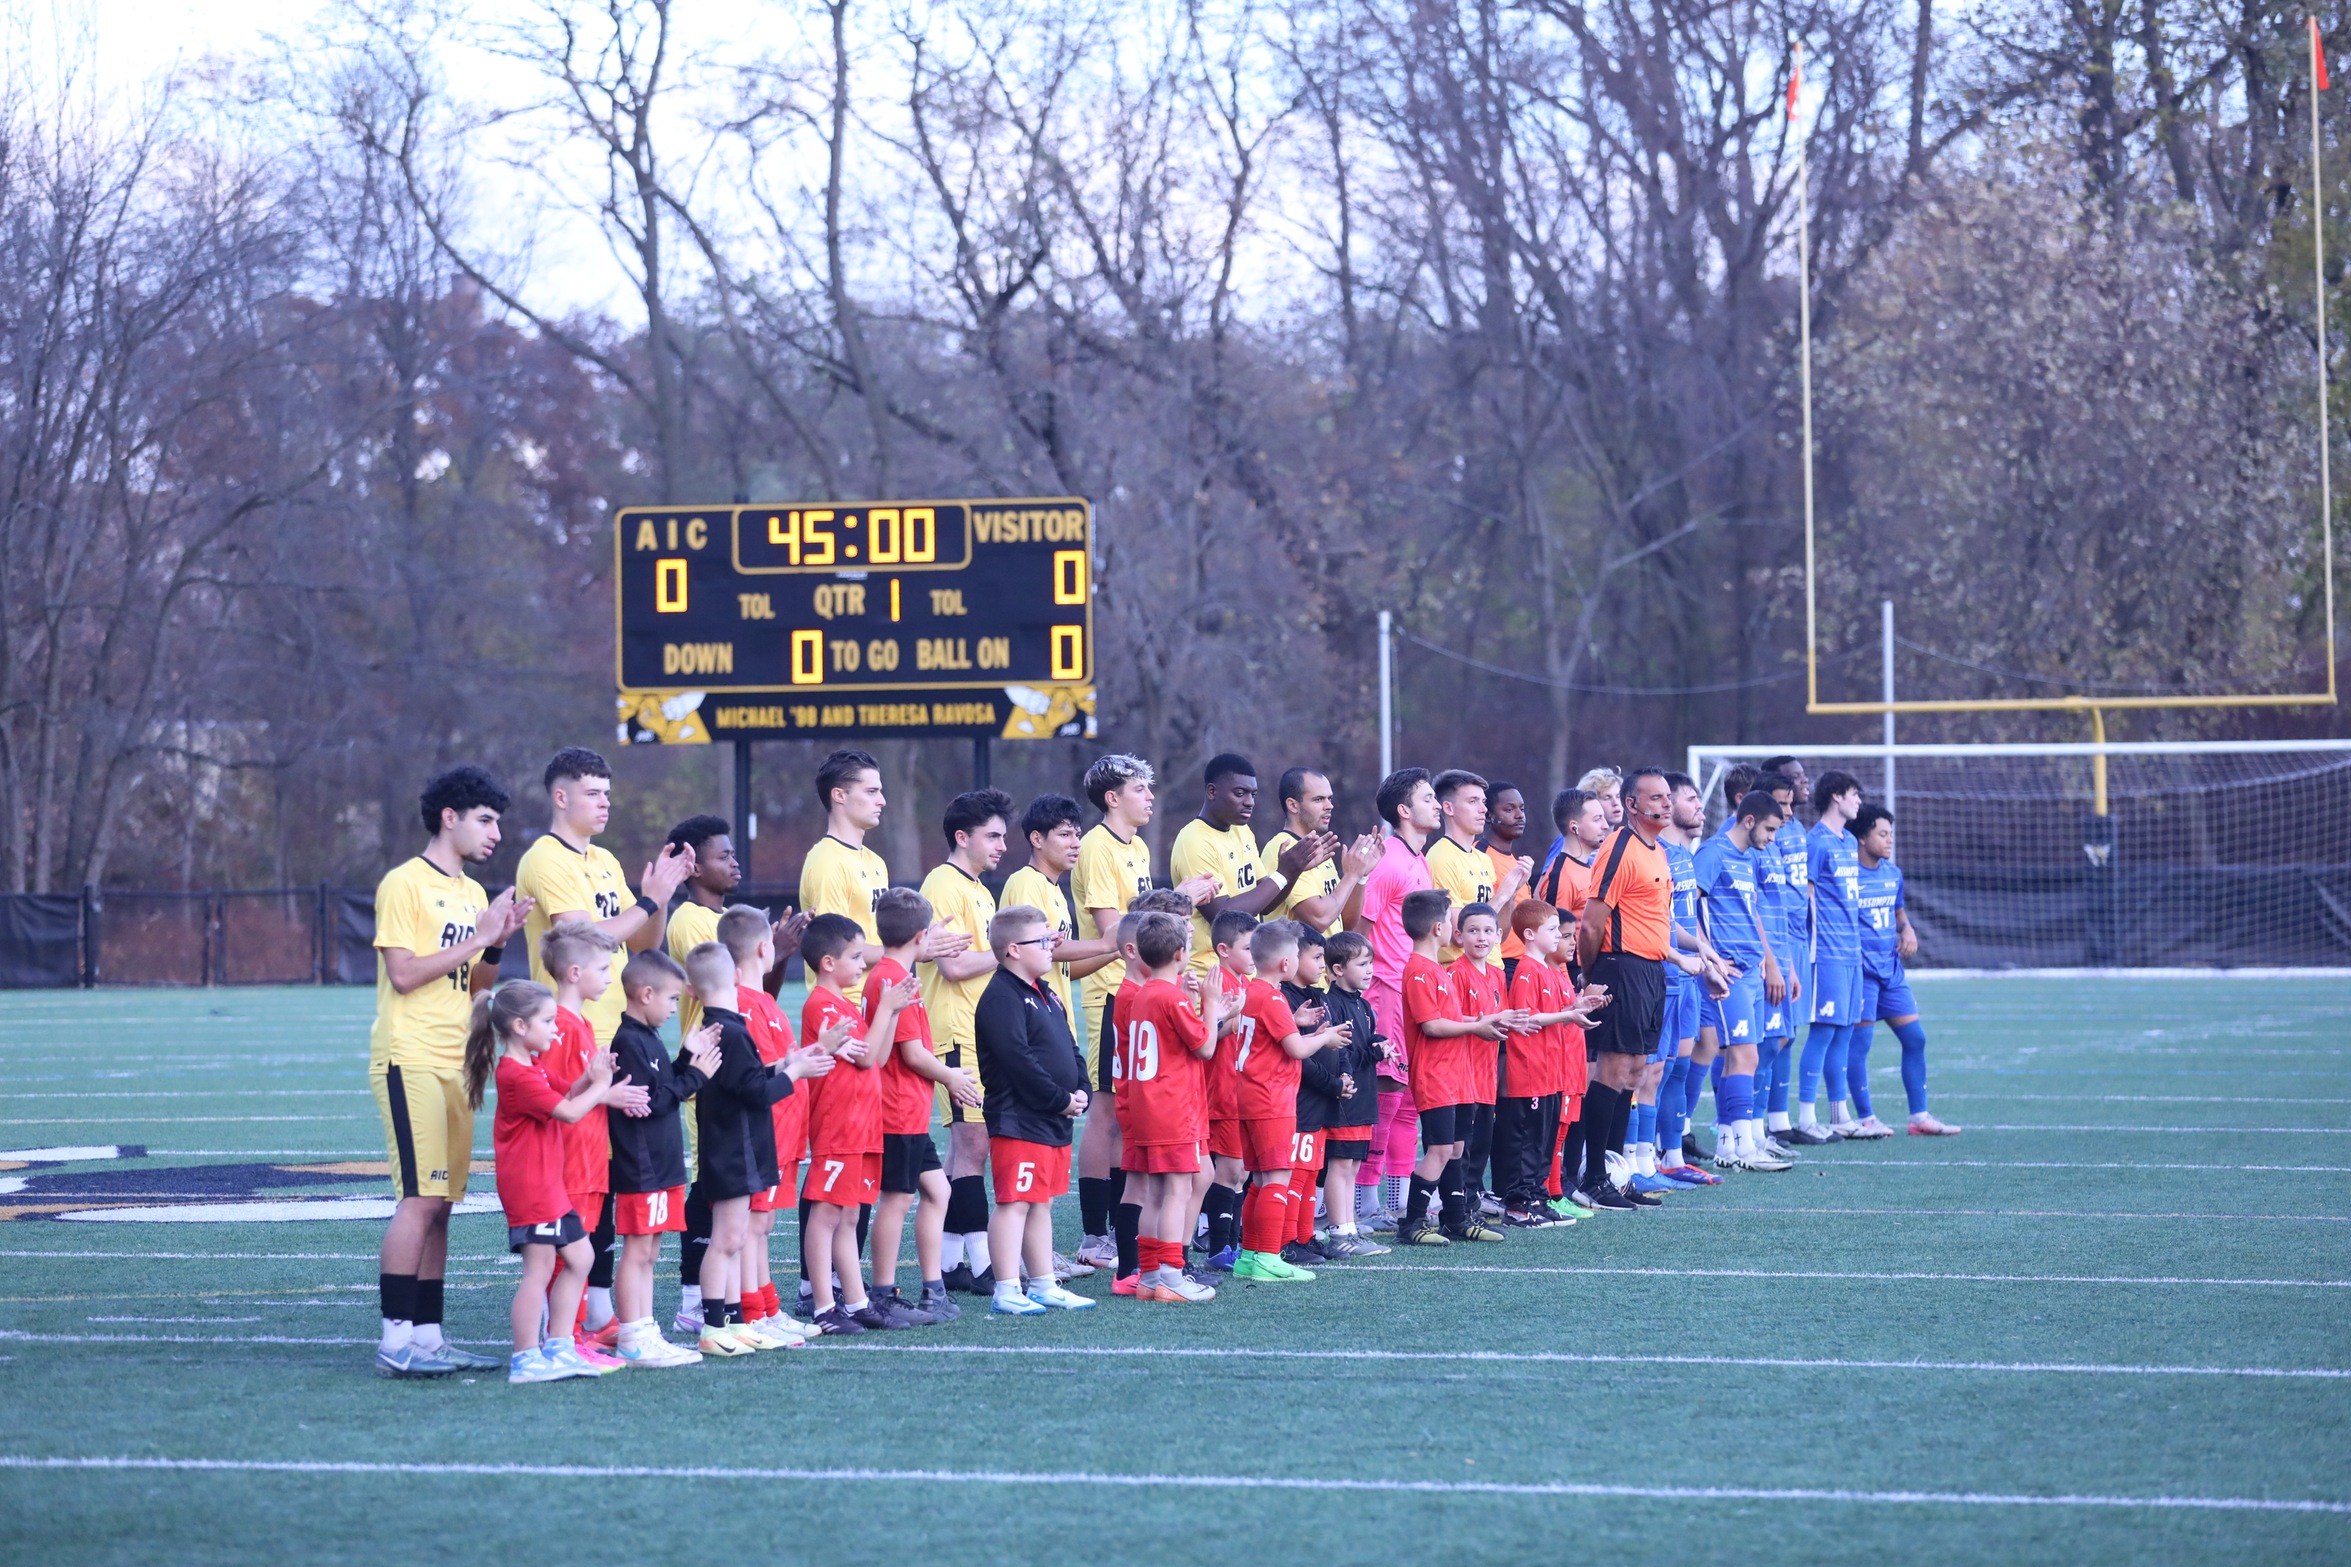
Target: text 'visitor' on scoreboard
<point>856,598</point>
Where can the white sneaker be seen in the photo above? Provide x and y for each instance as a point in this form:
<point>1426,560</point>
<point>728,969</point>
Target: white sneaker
<point>1760,1160</point>
<point>1925,1125</point>
<point>1726,1152</point>
<point>1059,1299</point>
<point>1011,1303</point>
<point>1065,1268</point>
<point>1190,1289</point>
<point>772,1334</point>
<point>687,1322</point>
<point>1871,1129</point>
<point>650,1350</point>
<point>1098,1250</point>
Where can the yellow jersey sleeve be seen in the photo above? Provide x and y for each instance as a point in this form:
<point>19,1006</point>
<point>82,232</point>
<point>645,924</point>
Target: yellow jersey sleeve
<point>421,908</point>
<point>1319,882</point>
<point>1229,855</point>
<point>690,925</point>
<point>1466,874</point>
<point>1110,874</point>
<point>964,903</point>
<point>1028,885</point>
<point>565,881</point>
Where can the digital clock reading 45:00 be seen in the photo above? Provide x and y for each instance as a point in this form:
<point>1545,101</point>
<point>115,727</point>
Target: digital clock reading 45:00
<point>856,596</point>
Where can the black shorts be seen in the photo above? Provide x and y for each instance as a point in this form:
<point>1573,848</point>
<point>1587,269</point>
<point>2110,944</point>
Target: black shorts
<point>1635,1014</point>
<point>1446,1124</point>
<point>1105,1042</point>
<point>1337,1147</point>
<point>964,1058</point>
<point>557,1233</point>
<point>905,1158</point>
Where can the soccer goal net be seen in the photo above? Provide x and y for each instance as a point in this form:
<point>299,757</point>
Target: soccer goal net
<point>2189,854</point>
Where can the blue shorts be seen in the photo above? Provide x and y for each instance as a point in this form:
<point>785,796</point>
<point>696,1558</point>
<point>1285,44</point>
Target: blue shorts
<point>1836,991</point>
<point>1737,1019</point>
<point>1683,993</point>
<point>1884,1000</point>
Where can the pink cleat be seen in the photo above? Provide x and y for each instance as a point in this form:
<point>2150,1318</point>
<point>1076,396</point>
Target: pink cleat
<point>1925,1125</point>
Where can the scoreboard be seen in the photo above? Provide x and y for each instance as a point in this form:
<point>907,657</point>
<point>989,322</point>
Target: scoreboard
<point>878,618</point>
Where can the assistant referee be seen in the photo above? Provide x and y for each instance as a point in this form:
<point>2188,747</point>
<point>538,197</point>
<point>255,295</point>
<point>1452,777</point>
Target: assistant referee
<point>1622,945</point>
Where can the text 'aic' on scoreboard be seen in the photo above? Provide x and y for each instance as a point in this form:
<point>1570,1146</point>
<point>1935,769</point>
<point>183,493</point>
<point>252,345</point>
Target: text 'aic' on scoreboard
<point>856,596</point>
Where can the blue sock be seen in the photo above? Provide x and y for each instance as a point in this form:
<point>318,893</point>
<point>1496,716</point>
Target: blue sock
<point>1833,1064</point>
<point>1644,1124</point>
<point>1736,1102</point>
<point>1913,1036</point>
<point>1694,1085</point>
<point>1857,1069</point>
<point>1817,1040</point>
<point>1780,1052</point>
<point>1672,1105</point>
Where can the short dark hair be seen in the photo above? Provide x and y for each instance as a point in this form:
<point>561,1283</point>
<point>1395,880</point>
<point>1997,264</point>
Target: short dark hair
<point>1308,936</point>
<point>1566,805</point>
<point>1161,900</point>
<point>1230,927</point>
<point>1293,784</point>
<point>973,809</point>
<point>836,770</point>
<point>1470,911</point>
<point>1396,789</point>
<point>1048,811</point>
<point>1736,781</point>
<point>574,761</point>
<point>1632,780</point>
<point>1453,780</point>
<point>1773,782</point>
<point>828,936</point>
<point>1345,947</point>
<point>1229,764</point>
<point>1268,940</point>
<point>459,789</point>
<point>1869,816</point>
<point>1832,783</point>
<point>1777,764</point>
<point>1677,782</point>
<point>899,915</point>
<point>1496,788</point>
<point>1757,805</point>
<point>695,831</point>
<point>1424,911</point>
<point>1160,938</point>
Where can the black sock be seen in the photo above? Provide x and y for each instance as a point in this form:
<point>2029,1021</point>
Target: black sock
<point>805,1205</point>
<point>1600,1102</point>
<point>1093,1205</point>
<point>696,1240</point>
<point>967,1205</point>
<point>428,1301</point>
<point>714,1313</point>
<point>864,1225</point>
<point>396,1296</point>
<point>1622,1122</point>
<point>600,1242</point>
<point>1118,1187</point>
<point>1452,1190</point>
<point>1224,1206</point>
<point>1571,1157</point>
<point>1416,1202</point>
<point>1126,1224</point>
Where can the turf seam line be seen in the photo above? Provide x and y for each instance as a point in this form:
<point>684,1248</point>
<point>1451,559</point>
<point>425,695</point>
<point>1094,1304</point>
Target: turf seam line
<point>1554,1488</point>
<point>1890,1278</point>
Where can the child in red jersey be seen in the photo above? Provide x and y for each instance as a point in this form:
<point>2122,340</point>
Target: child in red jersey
<point>1267,1050</point>
<point>844,1120</point>
<point>1481,986</point>
<point>1227,1155</point>
<point>513,1026</point>
<point>578,960</point>
<point>750,939</point>
<point>1132,1264</point>
<point>1443,1043</point>
<point>911,1069</point>
<point>1534,1071</point>
<point>1160,1062</point>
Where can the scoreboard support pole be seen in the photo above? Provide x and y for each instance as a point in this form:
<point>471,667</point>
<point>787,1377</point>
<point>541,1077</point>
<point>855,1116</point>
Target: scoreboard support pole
<point>982,763</point>
<point>746,818</point>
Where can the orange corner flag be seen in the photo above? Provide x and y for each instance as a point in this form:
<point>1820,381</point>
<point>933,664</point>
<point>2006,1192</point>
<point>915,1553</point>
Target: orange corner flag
<point>1796,72</point>
<point>2318,59</point>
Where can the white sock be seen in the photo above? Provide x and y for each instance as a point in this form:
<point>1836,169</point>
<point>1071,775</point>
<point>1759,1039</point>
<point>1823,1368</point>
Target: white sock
<point>398,1332</point>
<point>1347,1228</point>
<point>428,1336</point>
<point>1917,1116</point>
<point>975,1250</point>
<point>690,1301</point>
<point>950,1253</point>
<point>1755,1135</point>
<point>1779,1120</point>
<point>599,1307</point>
<point>1805,1115</point>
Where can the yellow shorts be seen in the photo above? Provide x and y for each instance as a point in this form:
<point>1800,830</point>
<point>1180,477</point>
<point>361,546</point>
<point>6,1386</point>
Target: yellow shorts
<point>964,1058</point>
<point>428,1129</point>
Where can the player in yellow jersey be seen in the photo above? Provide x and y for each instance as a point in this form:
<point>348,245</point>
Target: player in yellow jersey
<point>951,986</point>
<point>438,940</point>
<point>693,920</point>
<point>1321,896</point>
<point>1218,843</point>
<point>1050,824</point>
<point>841,874</point>
<point>568,876</point>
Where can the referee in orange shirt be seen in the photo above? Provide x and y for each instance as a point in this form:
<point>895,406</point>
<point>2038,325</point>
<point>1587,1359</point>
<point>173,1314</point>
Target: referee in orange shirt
<point>1622,944</point>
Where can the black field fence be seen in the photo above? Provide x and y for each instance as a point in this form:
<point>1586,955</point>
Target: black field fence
<point>321,935</point>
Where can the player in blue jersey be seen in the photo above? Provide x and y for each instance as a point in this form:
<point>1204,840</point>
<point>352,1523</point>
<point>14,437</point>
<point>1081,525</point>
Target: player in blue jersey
<point>1786,887</point>
<point>1886,939</point>
<point>1694,974</point>
<point>1833,861</point>
<point>1731,906</point>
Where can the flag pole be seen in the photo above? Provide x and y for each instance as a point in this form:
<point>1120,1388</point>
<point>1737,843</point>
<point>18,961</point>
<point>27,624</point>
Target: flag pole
<point>1804,372</point>
<point>2318,262</point>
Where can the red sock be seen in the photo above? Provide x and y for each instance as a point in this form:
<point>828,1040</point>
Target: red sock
<point>767,1298</point>
<point>754,1304</point>
<point>1304,1201</point>
<point>1265,1219</point>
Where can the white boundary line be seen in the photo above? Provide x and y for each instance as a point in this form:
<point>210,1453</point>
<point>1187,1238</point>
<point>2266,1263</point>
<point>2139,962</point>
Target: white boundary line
<point>2002,1213</point>
<point>2127,973</point>
<point>1874,1278</point>
<point>2225,1131</point>
<point>1923,1165</point>
<point>1007,1477</point>
<point>1961,1093</point>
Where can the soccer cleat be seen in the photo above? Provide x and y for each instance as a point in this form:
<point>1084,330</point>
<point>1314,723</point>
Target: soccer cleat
<point>1099,1251</point>
<point>605,1337</point>
<point>603,1363</point>
<point>1871,1129</point>
<point>1380,1223</point>
<point>1011,1303</point>
<point>1065,1268</point>
<point>1222,1262</point>
<point>1609,1199</point>
<point>1925,1125</point>
<point>901,1312</point>
<point>1696,1175</point>
<point>1727,1155</point>
<point>1487,1203</point>
<point>1188,1290</point>
<point>408,1363</point>
<point>533,1365</point>
<point>940,1304</point>
<point>1805,1137</point>
<point>1690,1153</point>
<point>1651,1185</point>
<point>1475,1229</point>
<point>654,1352</point>
<point>871,1317</point>
<point>1420,1232</point>
<point>771,1333</point>
<point>1158,1292</point>
<point>838,1323</point>
<point>1059,1299</point>
<point>1365,1246</point>
<point>1766,1162</point>
<point>1777,1149</point>
<point>1569,1208</point>
<point>1297,1254</point>
<point>1129,1285</point>
<point>466,1359</point>
<point>959,1280</point>
<point>688,1320</point>
<point>1200,1276</point>
<point>562,1353</point>
<point>1343,1248</point>
<point>1641,1199</point>
<point>1528,1219</point>
<point>721,1344</point>
<point>1267,1268</point>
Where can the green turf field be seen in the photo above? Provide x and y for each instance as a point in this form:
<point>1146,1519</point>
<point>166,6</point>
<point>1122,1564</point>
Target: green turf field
<point>2111,1322</point>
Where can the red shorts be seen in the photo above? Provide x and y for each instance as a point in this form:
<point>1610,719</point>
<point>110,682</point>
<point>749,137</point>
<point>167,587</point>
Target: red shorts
<point>770,1200</point>
<point>843,1180</point>
<point>1028,1172</point>
<point>1160,1158</point>
<point>590,1207</point>
<point>1224,1138</point>
<point>1268,1143</point>
<point>1306,1150</point>
<point>650,1213</point>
